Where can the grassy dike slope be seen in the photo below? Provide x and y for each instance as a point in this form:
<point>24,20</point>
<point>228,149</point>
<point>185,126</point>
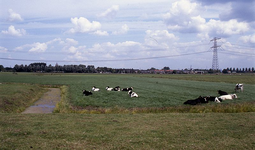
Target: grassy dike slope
<point>128,131</point>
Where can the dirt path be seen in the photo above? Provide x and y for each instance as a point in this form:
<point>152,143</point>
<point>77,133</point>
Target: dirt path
<point>46,103</point>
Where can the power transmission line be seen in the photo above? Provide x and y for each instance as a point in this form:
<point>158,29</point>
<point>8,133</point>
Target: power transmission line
<point>95,52</point>
<point>236,53</point>
<point>247,47</point>
<point>107,60</point>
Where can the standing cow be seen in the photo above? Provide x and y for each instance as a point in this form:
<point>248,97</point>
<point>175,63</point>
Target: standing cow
<point>239,87</point>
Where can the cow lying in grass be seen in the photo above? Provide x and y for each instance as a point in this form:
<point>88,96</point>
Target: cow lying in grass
<point>117,88</point>
<point>213,99</point>
<point>132,94</point>
<point>127,89</point>
<point>222,92</point>
<point>199,100</point>
<point>95,89</point>
<point>86,93</point>
<point>229,96</point>
<point>109,89</point>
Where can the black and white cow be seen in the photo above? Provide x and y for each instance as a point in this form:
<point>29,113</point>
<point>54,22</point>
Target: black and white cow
<point>239,87</point>
<point>132,94</point>
<point>95,89</point>
<point>199,100</point>
<point>127,89</point>
<point>213,99</point>
<point>109,88</point>
<point>222,92</point>
<point>86,93</point>
<point>229,96</point>
<point>117,88</point>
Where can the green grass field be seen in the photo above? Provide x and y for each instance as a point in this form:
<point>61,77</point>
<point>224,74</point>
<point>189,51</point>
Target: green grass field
<point>155,91</point>
<point>132,123</point>
<point>128,131</point>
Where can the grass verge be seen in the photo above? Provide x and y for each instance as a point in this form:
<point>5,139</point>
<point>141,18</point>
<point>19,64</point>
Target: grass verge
<point>15,98</point>
<point>63,106</point>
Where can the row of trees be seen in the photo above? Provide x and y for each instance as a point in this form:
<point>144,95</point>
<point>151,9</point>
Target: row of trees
<point>42,67</point>
<point>238,70</point>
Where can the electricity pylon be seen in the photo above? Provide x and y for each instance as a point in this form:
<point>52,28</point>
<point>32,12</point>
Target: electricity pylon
<point>215,63</point>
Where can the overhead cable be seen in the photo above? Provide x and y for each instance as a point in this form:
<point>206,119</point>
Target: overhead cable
<point>107,60</point>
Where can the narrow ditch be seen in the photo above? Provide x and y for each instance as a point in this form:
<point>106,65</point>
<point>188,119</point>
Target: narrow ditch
<point>46,103</point>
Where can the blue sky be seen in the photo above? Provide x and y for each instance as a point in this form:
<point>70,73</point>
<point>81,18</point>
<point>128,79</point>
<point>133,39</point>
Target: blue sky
<point>128,34</point>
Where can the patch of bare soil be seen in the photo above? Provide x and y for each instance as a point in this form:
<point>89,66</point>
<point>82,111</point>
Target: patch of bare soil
<point>46,103</point>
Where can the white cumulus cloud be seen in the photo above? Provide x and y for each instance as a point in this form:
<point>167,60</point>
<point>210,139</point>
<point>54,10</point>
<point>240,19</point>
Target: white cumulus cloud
<point>38,47</point>
<point>101,33</point>
<point>110,12</point>
<point>226,28</point>
<point>53,41</point>
<point>69,42</point>
<point>35,47</point>
<point>68,45</point>
<point>83,25</point>
<point>183,17</point>
<point>3,49</point>
<point>14,32</point>
<point>13,16</point>
<point>180,13</point>
<point>248,39</point>
<point>124,29</point>
<point>159,37</point>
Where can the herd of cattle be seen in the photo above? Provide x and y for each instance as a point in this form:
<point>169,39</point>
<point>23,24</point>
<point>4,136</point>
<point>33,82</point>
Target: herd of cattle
<point>223,96</point>
<point>117,88</point>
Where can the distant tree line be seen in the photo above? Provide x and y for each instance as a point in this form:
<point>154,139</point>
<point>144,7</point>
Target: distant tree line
<point>238,70</point>
<point>42,67</point>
